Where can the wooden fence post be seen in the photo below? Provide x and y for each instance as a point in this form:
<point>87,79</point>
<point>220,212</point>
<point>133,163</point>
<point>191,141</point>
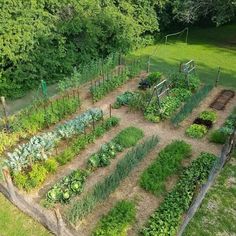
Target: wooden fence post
<point>148,64</point>
<point>5,113</point>
<point>9,183</point>
<point>60,223</point>
<point>218,77</point>
<point>110,110</point>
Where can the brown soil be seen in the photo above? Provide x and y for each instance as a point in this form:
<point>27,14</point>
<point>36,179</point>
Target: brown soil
<point>129,188</point>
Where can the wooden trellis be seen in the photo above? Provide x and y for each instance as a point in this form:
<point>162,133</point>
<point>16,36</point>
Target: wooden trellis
<point>159,91</point>
<point>187,69</point>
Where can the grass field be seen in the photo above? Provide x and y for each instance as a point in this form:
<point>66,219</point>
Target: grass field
<point>14,223</point>
<point>209,47</point>
<point>218,211</point>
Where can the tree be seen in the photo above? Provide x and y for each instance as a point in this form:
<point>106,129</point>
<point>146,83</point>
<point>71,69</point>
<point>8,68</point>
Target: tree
<point>190,11</point>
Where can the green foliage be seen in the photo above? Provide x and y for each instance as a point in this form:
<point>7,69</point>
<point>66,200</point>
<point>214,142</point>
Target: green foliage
<point>123,99</point>
<point>208,115</point>
<point>179,81</point>
<point>129,137</point>
<point>117,220</point>
<point>153,78</point>
<point>67,187</point>
<point>167,163</point>
<point>32,179</point>
<point>191,103</point>
<point>196,131</point>
<point>103,189</point>
<point>51,165</point>
<point>167,218</point>
<point>106,86</point>
<point>37,117</point>
<point>169,104</point>
<point>191,11</point>
<point>218,136</point>
<point>42,41</point>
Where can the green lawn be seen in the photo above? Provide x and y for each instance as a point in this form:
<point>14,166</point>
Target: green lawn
<point>217,214</point>
<point>209,47</point>
<point>15,223</point>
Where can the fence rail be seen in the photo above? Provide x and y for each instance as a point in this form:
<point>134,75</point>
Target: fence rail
<point>224,157</point>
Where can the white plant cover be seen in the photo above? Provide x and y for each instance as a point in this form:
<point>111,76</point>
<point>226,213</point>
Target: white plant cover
<point>40,147</point>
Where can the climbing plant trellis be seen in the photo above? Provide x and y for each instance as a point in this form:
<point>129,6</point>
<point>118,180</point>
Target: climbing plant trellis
<point>159,91</point>
<point>187,69</point>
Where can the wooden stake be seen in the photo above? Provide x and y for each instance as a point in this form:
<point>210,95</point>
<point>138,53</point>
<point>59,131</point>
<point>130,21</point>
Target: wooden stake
<point>110,110</point>
<point>5,113</point>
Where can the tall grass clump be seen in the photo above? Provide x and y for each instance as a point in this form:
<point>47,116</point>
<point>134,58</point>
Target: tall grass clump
<point>104,188</point>
<point>167,163</point>
<point>191,103</point>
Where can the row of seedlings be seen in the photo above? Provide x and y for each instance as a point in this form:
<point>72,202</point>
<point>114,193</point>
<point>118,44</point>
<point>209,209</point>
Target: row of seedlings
<point>72,185</point>
<point>111,81</point>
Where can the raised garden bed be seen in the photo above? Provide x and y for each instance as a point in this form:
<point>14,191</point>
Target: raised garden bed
<point>222,99</point>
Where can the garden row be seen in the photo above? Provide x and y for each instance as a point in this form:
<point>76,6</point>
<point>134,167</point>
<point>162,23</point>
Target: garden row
<point>73,184</point>
<point>162,102</point>
<point>32,120</point>
<point>111,81</point>
<point>167,218</point>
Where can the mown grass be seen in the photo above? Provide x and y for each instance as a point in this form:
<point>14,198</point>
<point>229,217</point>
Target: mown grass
<point>209,47</point>
<point>15,223</point>
<point>217,214</point>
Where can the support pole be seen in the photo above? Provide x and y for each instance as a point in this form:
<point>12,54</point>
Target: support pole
<point>5,113</point>
<point>218,77</point>
<point>9,183</point>
<point>148,64</point>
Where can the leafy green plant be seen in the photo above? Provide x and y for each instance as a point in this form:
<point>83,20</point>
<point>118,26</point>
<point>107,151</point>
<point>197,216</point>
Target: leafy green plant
<point>208,115</point>
<point>167,218</point>
<point>167,163</point>
<point>103,189</point>
<point>117,220</point>
<point>129,137</point>
<point>105,86</point>
<point>218,136</point>
<point>51,165</point>
<point>109,150</point>
<point>153,78</point>
<point>123,99</point>
<point>67,187</point>
<point>191,103</point>
<point>196,131</point>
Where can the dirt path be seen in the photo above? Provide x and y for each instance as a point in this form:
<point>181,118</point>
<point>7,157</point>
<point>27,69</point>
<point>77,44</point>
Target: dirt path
<point>129,187</point>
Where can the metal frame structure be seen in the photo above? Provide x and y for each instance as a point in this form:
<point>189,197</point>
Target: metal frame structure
<point>187,68</point>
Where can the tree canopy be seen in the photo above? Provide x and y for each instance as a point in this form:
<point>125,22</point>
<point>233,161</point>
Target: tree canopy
<point>46,39</point>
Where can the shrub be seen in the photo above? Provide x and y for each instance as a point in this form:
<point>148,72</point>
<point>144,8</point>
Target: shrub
<point>167,163</point>
<point>167,218</point>
<point>208,116</point>
<point>218,136</point>
<point>37,175</point>
<point>65,157</point>
<point>129,137</point>
<point>21,180</point>
<point>51,165</point>
<point>103,189</point>
<point>117,221</point>
<point>196,131</point>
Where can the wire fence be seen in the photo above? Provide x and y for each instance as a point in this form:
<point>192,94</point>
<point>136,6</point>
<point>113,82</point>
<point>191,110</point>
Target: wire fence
<point>223,159</point>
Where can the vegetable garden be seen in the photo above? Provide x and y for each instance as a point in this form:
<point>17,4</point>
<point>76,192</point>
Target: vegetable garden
<point>124,154</point>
